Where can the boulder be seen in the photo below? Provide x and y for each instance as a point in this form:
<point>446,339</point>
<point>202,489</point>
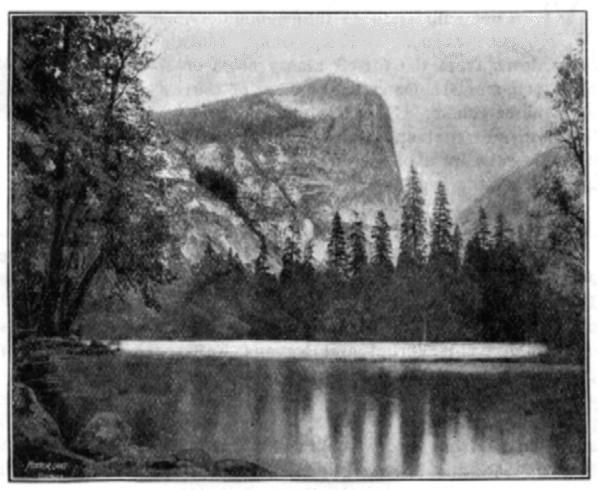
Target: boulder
<point>182,469</point>
<point>144,461</point>
<point>115,467</point>
<point>239,468</point>
<point>196,457</point>
<point>105,436</point>
<point>35,434</point>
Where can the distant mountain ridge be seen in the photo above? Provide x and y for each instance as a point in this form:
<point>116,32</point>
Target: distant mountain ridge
<point>514,194</point>
<point>297,154</point>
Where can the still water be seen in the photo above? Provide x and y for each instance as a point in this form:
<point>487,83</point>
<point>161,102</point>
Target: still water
<point>344,418</point>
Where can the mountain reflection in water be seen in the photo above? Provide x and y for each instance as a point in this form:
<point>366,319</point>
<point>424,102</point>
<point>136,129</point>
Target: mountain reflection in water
<point>336,418</point>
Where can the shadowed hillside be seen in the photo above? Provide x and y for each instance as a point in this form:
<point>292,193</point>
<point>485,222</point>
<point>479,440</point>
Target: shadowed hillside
<point>515,194</point>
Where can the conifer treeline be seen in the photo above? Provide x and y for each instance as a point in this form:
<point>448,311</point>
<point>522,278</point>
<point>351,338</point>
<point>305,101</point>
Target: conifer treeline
<point>347,252</point>
<point>429,293</point>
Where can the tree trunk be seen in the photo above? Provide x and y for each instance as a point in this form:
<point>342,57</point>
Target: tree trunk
<point>48,320</point>
<point>74,307</point>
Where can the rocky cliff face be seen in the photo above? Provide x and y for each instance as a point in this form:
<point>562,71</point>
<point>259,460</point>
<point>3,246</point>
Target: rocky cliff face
<point>296,155</point>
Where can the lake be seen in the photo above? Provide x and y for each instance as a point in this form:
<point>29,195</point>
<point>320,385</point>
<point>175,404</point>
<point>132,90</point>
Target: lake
<point>339,417</point>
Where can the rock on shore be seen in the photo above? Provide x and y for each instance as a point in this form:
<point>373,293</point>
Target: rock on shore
<point>103,448</point>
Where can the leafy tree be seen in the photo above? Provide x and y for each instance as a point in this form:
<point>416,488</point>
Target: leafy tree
<point>84,164</point>
<point>382,257</point>
<point>337,259</point>
<point>357,244</point>
<point>508,295</point>
<point>559,245</point>
<point>412,231</point>
<point>563,184</point>
<point>441,247</point>
<point>567,101</point>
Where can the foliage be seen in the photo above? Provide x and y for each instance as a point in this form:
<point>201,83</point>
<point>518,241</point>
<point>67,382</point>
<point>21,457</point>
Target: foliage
<point>530,289</point>
<point>382,257</point>
<point>219,184</point>
<point>442,246</point>
<point>457,243</point>
<point>412,232</point>
<point>555,242</point>
<point>494,296</point>
<point>357,248</point>
<point>260,264</point>
<point>84,166</point>
<point>567,102</point>
<point>337,258</point>
<point>291,256</point>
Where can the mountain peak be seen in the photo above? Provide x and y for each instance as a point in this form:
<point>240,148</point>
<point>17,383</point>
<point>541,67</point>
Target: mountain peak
<point>327,87</point>
<point>297,154</point>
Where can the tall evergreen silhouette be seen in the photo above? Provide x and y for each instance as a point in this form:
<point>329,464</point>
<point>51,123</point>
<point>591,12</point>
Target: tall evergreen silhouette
<point>357,248</point>
<point>260,263</point>
<point>477,250</point>
<point>308,257</point>
<point>413,228</point>
<point>457,242</point>
<point>382,256</point>
<point>290,257</point>
<point>482,233</point>
<point>501,231</point>
<point>337,259</point>
<point>441,246</point>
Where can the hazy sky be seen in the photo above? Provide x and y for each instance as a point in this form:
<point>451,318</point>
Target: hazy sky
<point>466,92</point>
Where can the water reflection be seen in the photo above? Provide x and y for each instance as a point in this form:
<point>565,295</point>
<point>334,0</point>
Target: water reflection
<point>348,419</point>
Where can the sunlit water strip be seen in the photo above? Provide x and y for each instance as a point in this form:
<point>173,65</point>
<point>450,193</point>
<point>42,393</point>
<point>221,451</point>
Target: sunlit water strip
<point>269,349</point>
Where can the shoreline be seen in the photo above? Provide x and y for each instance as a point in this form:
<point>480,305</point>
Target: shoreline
<point>409,353</point>
<point>355,351</point>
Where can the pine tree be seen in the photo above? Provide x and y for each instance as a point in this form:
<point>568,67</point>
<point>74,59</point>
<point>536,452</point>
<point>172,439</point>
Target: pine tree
<point>290,257</point>
<point>457,245</point>
<point>209,251</point>
<point>477,256</point>
<point>260,263</point>
<point>308,258</point>
<point>441,227</point>
<point>357,245</point>
<point>337,259</point>
<point>482,234</point>
<point>209,270</point>
<point>501,231</point>
<point>412,231</point>
<point>234,263</point>
<point>382,258</point>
